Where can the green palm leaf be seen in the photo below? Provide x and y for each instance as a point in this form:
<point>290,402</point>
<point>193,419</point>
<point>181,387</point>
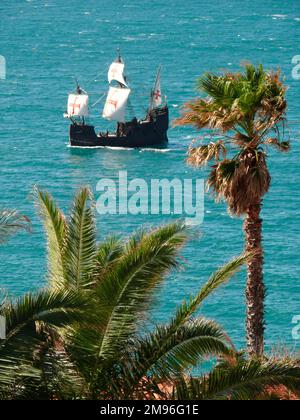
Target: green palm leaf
<point>221,276</point>
<point>245,381</point>
<point>26,319</point>
<point>158,346</point>
<point>164,356</point>
<point>56,228</point>
<point>80,252</point>
<point>18,379</point>
<point>224,91</point>
<point>54,307</point>
<point>60,377</point>
<point>107,253</point>
<point>124,293</point>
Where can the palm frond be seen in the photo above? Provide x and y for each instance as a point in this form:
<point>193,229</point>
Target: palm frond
<point>246,381</point>
<point>60,377</point>
<point>108,252</point>
<point>158,345</point>
<point>80,252</point>
<point>203,113</point>
<point>23,317</point>
<point>283,146</point>
<point>124,292</point>
<point>56,307</point>
<point>25,321</point>
<point>56,228</point>
<point>200,155</point>
<point>11,222</point>
<point>165,356</point>
<point>221,276</point>
<point>223,89</point>
<point>241,181</point>
<point>19,379</point>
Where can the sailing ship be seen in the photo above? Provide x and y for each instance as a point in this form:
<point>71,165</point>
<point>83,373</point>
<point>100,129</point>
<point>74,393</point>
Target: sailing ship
<point>148,132</point>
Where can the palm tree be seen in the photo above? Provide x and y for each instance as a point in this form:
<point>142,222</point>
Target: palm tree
<point>120,277</point>
<point>83,330</point>
<point>81,336</point>
<point>245,112</point>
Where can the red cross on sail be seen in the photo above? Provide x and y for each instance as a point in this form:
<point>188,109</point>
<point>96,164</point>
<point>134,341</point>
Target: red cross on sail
<point>156,93</point>
<point>78,105</point>
<point>115,105</point>
<point>75,106</point>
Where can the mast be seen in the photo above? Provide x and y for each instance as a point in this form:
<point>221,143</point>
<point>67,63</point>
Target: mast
<point>79,91</point>
<point>119,58</point>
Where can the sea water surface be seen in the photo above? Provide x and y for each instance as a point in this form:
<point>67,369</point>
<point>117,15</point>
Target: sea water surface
<point>49,42</point>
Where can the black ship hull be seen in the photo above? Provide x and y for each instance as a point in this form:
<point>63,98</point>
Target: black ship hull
<point>151,132</point>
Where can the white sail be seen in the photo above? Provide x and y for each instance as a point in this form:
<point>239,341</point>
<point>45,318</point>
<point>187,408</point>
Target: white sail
<point>115,105</point>
<point>78,105</point>
<point>156,93</point>
<point>115,72</point>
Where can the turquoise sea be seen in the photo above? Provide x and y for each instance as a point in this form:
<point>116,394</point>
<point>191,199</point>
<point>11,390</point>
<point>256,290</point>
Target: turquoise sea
<point>48,42</point>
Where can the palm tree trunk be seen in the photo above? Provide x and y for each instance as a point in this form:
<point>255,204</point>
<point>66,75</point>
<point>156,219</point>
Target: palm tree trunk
<point>255,290</point>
